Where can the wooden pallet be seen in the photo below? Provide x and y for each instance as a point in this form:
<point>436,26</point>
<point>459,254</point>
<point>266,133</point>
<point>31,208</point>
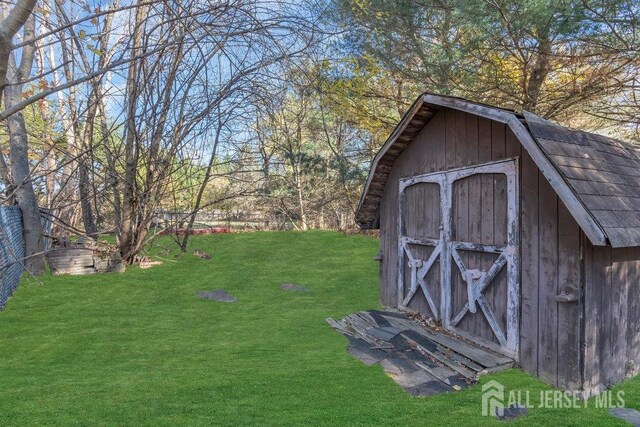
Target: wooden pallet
<point>422,360</point>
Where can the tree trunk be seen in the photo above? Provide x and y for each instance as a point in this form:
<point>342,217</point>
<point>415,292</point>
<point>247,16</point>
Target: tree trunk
<point>19,158</point>
<point>68,192</point>
<point>81,139</point>
<point>32,225</point>
<point>538,75</point>
<point>47,140</point>
<point>129,210</point>
<point>112,174</point>
<point>301,209</point>
<point>203,186</point>
<point>9,27</point>
<point>84,180</point>
<point>84,188</point>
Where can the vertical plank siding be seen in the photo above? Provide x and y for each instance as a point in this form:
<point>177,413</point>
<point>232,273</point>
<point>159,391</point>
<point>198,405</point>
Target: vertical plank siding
<point>569,327</point>
<point>389,241</point>
<point>422,220</point>
<point>594,287</point>
<point>548,282</point>
<point>550,331</point>
<point>483,219</point>
<point>529,325</point>
<point>633,312</point>
<point>612,315</point>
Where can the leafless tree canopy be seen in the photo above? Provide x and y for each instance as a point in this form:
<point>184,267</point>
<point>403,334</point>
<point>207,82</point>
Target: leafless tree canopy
<point>120,114</point>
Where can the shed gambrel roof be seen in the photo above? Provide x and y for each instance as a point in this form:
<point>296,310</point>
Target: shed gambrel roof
<point>603,172</point>
<point>596,177</point>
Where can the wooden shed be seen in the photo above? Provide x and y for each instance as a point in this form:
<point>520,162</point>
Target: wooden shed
<point>514,232</point>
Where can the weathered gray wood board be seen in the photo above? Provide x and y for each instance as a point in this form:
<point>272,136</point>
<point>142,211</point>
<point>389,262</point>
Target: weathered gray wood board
<point>421,360</point>
<point>612,315</point>
<point>480,217</point>
<point>71,261</point>
<point>79,261</point>
<point>422,219</point>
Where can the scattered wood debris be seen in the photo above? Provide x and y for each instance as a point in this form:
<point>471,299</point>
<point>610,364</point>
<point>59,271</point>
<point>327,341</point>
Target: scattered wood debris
<point>146,262</point>
<point>418,354</point>
<point>201,254</point>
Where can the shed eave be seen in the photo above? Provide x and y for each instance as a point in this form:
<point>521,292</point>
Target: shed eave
<point>368,206</point>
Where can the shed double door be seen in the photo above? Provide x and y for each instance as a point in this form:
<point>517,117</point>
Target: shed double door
<point>457,250</point>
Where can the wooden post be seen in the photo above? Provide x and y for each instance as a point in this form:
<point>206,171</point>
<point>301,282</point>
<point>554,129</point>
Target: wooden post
<point>446,204</point>
<point>400,244</point>
<point>513,261</point>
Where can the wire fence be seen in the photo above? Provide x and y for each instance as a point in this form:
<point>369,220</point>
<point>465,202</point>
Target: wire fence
<point>11,251</point>
<point>240,220</point>
<point>228,220</point>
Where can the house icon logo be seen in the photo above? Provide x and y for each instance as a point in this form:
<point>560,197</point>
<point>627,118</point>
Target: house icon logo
<point>492,398</point>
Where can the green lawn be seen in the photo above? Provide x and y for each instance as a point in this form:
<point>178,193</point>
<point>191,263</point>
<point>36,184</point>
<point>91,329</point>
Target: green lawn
<point>140,348</point>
